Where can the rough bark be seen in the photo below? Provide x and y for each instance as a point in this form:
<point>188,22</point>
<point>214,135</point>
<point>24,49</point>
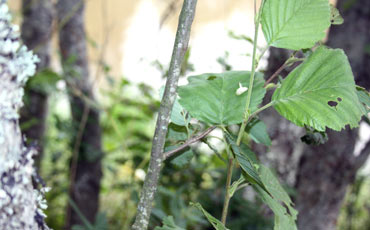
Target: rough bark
<point>325,171</point>
<point>85,168</point>
<point>36,35</point>
<point>151,180</point>
<point>19,207</point>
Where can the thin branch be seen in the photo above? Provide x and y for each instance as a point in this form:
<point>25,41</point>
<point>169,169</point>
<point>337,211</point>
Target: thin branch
<point>156,159</point>
<point>287,63</point>
<point>188,142</point>
<point>171,8</point>
<point>273,76</point>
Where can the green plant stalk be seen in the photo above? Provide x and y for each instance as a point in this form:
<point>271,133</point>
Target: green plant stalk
<point>253,72</point>
<point>247,115</point>
<point>230,167</point>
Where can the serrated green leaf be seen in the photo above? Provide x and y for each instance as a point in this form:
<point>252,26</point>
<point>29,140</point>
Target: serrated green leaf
<point>258,132</point>
<point>364,97</point>
<point>320,92</point>
<point>179,115</point>
<point>276,190</point>
<point>246,159</point>
<point>183,159</point>
<point>176,133</point>
<point>215,223</point>
<point>282,220</point>
<point>285,215</point>
<point>212,98</point>
<point>335,17</point>
<point>169,224</point>
<point>295,24</point>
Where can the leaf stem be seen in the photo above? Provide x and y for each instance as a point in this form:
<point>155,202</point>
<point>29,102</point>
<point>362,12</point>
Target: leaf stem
<point>230,167</point>
<point>255,62</point>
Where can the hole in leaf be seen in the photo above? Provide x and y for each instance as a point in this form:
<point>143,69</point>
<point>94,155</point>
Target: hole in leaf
<point>339,99</point>
<point>332,103</point>
<point>211,78</point>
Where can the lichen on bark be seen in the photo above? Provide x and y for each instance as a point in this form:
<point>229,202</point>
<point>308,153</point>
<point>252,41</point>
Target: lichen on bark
<point>20,205</point>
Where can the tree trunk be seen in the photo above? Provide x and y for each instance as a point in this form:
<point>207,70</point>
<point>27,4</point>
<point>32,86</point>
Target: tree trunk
<point>85,168</point>
<point>36,35</point>
<point>325,171</point>
<point>18,201</point>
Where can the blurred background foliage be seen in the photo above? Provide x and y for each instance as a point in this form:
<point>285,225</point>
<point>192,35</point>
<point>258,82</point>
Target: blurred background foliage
<point>128,113</point>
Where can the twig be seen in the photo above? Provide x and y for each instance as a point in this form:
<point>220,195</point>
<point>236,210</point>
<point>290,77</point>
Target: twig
<point>188,142</point>
<point>273,76</point>
<point>156,159</point>
<point>171,8</point>
<point>287,63</point>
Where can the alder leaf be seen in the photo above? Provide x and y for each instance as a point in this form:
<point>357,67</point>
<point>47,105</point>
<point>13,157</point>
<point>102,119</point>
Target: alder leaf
<point>183,158</point>
<point>364,97</point>
<point>169,224</point>
<point>215,223</point>
<point>320,93</point>
<point>295,24</point>
<point>212,98</point>
<point>278,200</point>
<point>335,17</point>
<point>258,132</point>
<point>246,159</point>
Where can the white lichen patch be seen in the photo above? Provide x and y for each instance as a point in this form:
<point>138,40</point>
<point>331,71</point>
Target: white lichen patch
<point>20,205</point>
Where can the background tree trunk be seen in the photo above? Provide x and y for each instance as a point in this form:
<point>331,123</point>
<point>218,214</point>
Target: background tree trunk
<point>325,171</point>
<point>36,35</point>
<point>87,151</point>
<point>18,200</point>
